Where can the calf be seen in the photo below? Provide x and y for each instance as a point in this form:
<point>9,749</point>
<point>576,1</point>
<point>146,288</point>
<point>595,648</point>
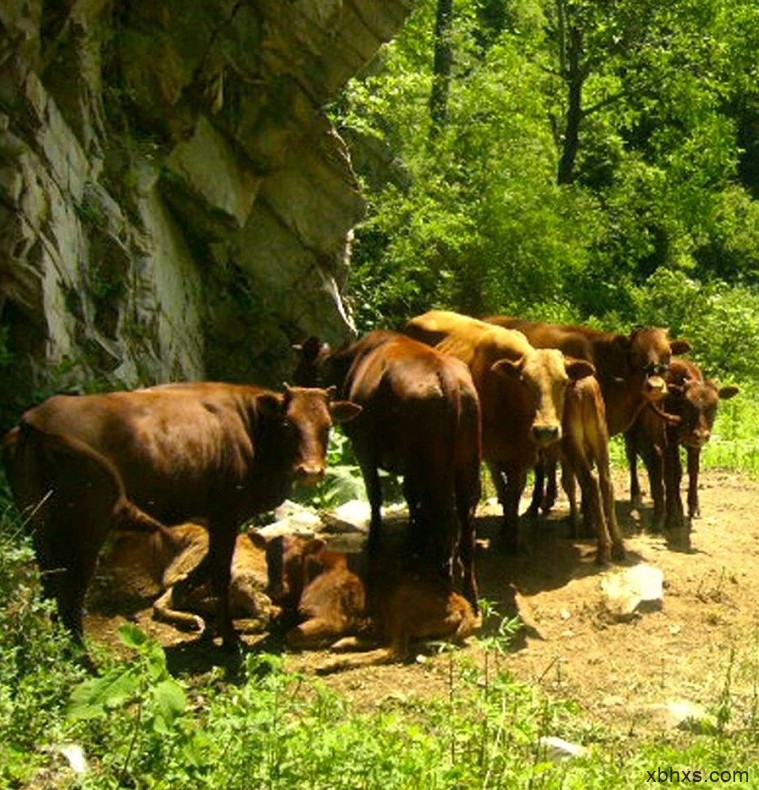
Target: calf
<point>421,419</point>
<point>689,412</point>
<point>333,600</point>
<point>522,393</point>
<point>585,447</point>
<point>80,465</point>
<point>152,563</point>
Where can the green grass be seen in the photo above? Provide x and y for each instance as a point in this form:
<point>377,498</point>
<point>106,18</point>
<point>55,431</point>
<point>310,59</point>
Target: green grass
<point>269,728</point>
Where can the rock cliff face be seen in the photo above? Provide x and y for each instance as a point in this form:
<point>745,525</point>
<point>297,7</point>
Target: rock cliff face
<point>174,202</point>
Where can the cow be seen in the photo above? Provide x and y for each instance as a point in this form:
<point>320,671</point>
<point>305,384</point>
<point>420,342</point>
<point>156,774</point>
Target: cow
<point>340,607</point>
<point>522,393</point>
<point>81,465</point>
<point>585,448</point>
<point>629,369</point>
<point>420,419</point>
<point>151,563</point>
<point>689,412</point>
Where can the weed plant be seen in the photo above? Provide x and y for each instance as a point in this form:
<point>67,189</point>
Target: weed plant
<point>140,727</point>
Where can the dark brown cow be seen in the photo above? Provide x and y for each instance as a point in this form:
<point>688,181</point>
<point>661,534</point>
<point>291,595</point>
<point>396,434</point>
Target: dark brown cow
<point>79,465</point>
<point>420,419</point>
<point>692,402</point>
<point>522,393</point>
<point>332,600</point>
<point>629,369</point>
<point>149,564</point>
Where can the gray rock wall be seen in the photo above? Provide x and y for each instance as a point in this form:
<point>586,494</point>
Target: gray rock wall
<point>174,202</point>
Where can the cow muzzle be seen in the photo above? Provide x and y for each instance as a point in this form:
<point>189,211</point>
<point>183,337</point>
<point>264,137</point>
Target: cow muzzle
<point>544,435</point>
<point>655,388</point>
<point>697,439</point>
<point>309,474</point>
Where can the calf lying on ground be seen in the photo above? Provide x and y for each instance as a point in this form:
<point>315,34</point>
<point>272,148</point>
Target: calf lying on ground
<point>332,600</point>
<point>690,409</point>
<point>150,563</point>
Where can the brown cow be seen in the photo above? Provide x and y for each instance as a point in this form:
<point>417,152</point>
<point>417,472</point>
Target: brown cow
<point>150,563</point>
<point>585,447</point>
<point>420,419</point>
<point>629,369</point>
<point>220,452</point>
<point>522,392</point>
<point>690,408</point>
<point>332,600</point>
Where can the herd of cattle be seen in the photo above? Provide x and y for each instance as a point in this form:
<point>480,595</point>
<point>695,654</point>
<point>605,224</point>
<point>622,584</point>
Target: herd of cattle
<point>175,470</point>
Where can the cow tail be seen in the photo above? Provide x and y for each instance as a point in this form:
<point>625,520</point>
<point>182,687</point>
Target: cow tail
<point>126,515</point>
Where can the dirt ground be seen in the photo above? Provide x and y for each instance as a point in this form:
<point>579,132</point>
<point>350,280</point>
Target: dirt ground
<point>706,634</point>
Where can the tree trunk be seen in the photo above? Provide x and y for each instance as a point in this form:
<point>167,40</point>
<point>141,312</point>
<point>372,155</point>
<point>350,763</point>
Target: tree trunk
<point>441,67</point>
<point>575,79</point>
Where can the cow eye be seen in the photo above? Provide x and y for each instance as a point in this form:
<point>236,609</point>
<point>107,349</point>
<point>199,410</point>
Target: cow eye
<point>656,369</point>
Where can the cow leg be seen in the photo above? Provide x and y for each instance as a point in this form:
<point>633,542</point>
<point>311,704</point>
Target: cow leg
<point>591,496</point>
<point>467,496</point>
<point>373,485</point>
<point>312,634</point>
<point>69,537</point>
<point>603,466</point>
<point>221,548</point>
<point>415,526</point>
<point>512,487</point>
<point>694,464</point>
<point>652,460</point>
<point>631,451</point>
<point>676,527</point>
<point>552,490</point>
<point>568,484</point>
<point>537,490</point>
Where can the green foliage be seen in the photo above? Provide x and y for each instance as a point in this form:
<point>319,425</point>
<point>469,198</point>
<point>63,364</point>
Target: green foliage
<point>660,222</point>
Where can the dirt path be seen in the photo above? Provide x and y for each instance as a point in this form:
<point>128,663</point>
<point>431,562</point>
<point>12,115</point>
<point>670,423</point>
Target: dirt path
<point>706,632</point>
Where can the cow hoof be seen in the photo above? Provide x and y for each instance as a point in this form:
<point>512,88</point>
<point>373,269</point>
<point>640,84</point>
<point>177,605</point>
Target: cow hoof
<point>679,539</point>
<point>618,552</point>
<point>603,555</point>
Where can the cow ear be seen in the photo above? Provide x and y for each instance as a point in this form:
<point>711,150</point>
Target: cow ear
<point>314,546</point>
<point>270,405</point>
<point>344,410</point>
<point>508,367</point>
<point>730,391</point>
<point>257,539</point>
<point>310,349</point>
<point>578,368</point>
<point>679,347</point>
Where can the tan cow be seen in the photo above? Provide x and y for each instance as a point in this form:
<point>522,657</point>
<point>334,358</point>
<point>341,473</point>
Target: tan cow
<point>79,465</point>
<point>522,393</point>
<point>151,563</point>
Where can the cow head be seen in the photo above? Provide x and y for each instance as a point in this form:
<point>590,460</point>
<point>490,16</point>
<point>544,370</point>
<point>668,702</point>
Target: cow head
<point>302,419</point>
<point>695,401</point>
<point>649,351</point>
<point>292,563</point>
<point>312,354</point>
<point>545,375</point>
